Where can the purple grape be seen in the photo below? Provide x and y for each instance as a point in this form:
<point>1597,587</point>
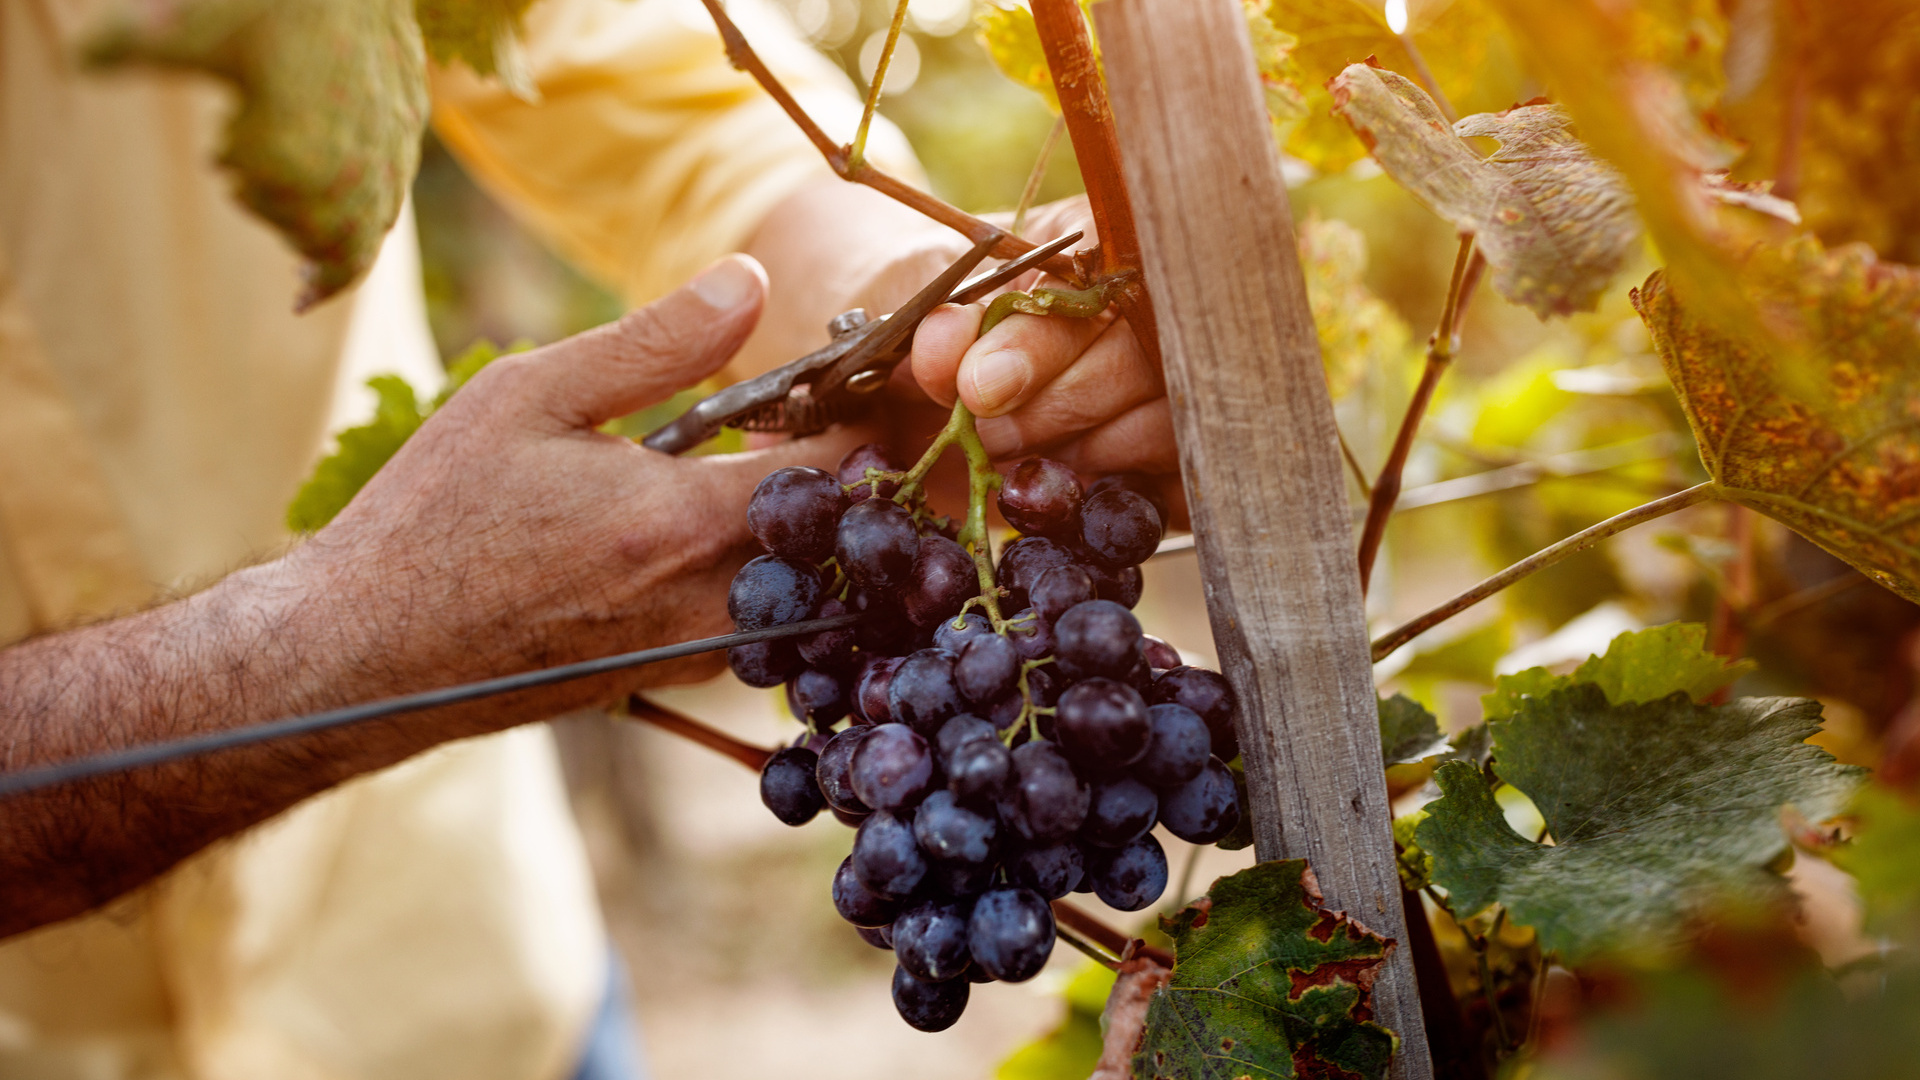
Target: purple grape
<point>930,939</point>
<point>1005,712</point>
<point>1045,801</point>
<point>1060,588</point>
<point>1208,694</point>
<point>988,668</point>
<point>1203,809</point>
<point>765,664</point>
<point>1031,635</point>
<point>1120,528</point>
<point>929,1006</point>
<point>892,768</point>
<point>1158,653</point>
<point>870,689</point>
<point>1103,723</point>
<point>1178,748</point>
<point>788,788</point>
<point>978,770</point>
<point>1133,877</point>
<point>1040,497</point>
<point>1119,813</point>
<point>960,881</point>
<point>885,858</point>
<point>877,544</point>
<point>853,470</point>
<point>1141,485</point>
<point>1045,685</point>
<point>953,634</point>
<point>817,699</point>
<point>1052,870</point>
<point>1010,934</point>
<point>831,650</point>
<point>950,832</point>
<point>772,591</point>
<point>846,817</point>
<point>815,741</point>
<point>880,937</point>
<point>976,976</point>
<point>794,512</point>
<point>858,904</point>
<point>835,771</point>
<point>1141,677</point>
<point>1022,563</point>
<point>944,579</point>
<point>922,694</point>
<point>1123,586</point>
<point>961,729</point>
<point>1097,638</point>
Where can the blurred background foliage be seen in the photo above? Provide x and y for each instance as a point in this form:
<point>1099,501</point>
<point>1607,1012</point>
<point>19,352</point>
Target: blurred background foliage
<point>1540,429</point>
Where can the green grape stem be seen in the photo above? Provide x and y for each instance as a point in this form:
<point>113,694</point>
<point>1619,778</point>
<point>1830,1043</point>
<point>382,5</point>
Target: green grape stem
<point>981,480</point>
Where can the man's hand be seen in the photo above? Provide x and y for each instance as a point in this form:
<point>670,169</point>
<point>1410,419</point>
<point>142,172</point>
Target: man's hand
<point>1079,390</point>
<point>507,534</point>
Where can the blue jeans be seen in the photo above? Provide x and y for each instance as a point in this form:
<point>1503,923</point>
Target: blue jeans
<point>612,1050</point>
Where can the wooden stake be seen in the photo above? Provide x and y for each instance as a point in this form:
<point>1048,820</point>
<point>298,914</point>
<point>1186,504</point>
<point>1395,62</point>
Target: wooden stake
<point>1261,459</point>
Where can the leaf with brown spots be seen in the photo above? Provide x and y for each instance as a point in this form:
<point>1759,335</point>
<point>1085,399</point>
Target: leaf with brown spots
<point>1813,417</point>
<point>1554,222</point>
<point>332,104</point>
<point>1266,983</point>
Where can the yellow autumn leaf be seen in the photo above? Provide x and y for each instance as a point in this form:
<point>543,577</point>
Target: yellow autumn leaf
<point>1358,330</point>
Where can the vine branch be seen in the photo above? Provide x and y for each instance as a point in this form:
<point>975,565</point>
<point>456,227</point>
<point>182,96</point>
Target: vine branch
<point>753,757</point>
<point>839,158</point>
<point>1441,349</point>
<point>1115,942</point>
<point>857,156</point>
<point>1540,560</point>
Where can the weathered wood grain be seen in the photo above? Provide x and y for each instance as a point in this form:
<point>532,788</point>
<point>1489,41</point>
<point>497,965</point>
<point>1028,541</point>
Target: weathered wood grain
<point>1260,457</point>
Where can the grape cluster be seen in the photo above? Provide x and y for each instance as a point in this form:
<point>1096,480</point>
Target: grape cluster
<point>989,765</point>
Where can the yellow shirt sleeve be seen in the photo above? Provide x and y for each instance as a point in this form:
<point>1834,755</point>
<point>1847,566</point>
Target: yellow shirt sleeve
<point>647,155</point>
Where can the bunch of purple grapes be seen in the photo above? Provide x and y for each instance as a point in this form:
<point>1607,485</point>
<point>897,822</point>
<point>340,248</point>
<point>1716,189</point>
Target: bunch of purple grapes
<point>988,770</point>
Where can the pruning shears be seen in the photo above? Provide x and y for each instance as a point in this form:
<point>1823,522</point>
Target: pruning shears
<point>836,382</point>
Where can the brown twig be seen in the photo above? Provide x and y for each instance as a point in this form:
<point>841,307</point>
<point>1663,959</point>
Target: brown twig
<point>753,757</point>
<point>857,156</point>
<point>1008,246</point>
<point>1077,82</point>
<point>1105,936</point>
<point>1540,560</point>
<point>1441,348</point>
<point>1453,1053</point>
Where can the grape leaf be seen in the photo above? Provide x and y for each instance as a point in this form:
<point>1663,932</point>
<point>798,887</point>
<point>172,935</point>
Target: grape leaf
<point>1554,222</point>
<point>1452,38</point>
<point>1266,983</point>
<point>1070,1051</point>
<point>1408,732</point>
<point>1013,42</point>
<point>483,34</point>
<point>332,105</point>
<point>1358,331</point>
<point>1280,75</point>
<point>1660,813</point>
<point>1884,859</point>
<point>358,454</point>
<point>1814,424</point>
<point>1638,666</point>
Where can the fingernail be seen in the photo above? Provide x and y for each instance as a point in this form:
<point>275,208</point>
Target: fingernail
<point>728,283</point>
<point>1000,435</point>
<point>999,377</point>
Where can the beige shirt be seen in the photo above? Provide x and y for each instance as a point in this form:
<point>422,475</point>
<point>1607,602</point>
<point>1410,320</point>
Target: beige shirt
<point>159,403</point>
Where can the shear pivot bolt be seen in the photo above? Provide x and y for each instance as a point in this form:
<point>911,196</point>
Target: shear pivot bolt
<point>847,321</point>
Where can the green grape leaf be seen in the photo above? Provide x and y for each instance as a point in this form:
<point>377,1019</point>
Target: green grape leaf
<point>332,105</point>
<point>1070,1051</point>
<point>1266,983</point>
<point>1415,865</point>
<point>1554,222</point>
<point>1013,42</point>
<point>1660,813</point>
<point>1812,424</point>
<point>1452,37</point>
<point>1408,732</point>
<point>359,453</point>
<point>483,34</point>
<point>1638,666</point>
<point>1359,332</point>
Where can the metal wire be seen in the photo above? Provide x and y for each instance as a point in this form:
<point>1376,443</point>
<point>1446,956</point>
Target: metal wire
<point>133,757</point>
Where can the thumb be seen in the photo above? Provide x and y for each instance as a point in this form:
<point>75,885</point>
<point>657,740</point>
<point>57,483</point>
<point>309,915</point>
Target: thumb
<point>649,354</point>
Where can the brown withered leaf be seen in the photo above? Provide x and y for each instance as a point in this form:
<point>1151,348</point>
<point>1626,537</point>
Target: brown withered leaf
<point>1451,35</point>
<point>1554,222</point>
<point>332,103</point>
<point>1812,418</point>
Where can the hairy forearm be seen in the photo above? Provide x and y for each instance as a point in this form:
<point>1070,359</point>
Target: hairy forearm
<point>256,646</point>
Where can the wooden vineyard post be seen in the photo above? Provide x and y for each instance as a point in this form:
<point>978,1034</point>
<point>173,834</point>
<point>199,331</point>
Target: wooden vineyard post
<point>1260,458</point>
